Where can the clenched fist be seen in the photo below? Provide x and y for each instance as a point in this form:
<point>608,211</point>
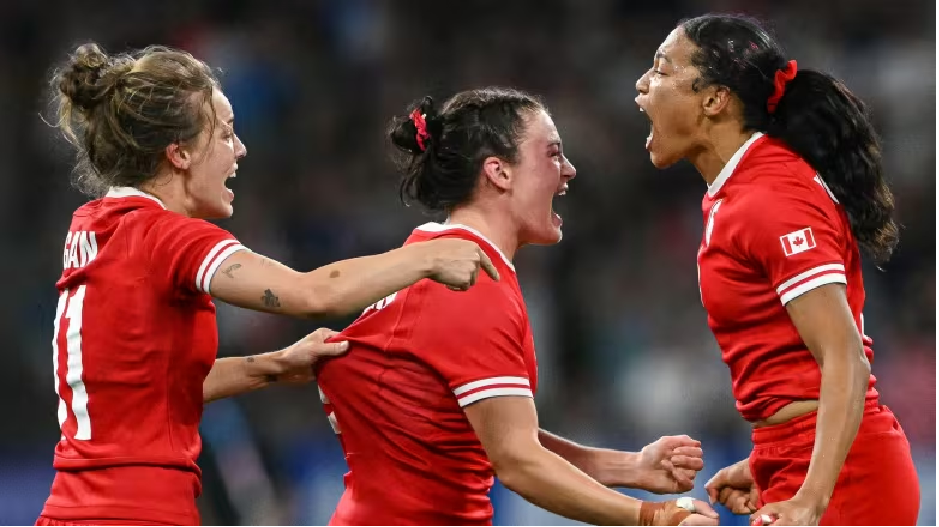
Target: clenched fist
<point>734,488</point>
<point>670,464</point>
<point>456,263</point>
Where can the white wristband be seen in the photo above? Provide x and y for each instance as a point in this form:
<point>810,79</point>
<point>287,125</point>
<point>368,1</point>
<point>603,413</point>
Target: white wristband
<point>685,502</point>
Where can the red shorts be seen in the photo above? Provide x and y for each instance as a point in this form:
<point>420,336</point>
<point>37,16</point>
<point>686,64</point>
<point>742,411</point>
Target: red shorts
<point>49,522</point>
<point>878,484</point>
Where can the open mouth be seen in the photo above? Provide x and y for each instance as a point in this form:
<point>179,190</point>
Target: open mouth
<point>233,173</point>
<point>555,217</point>
<point>651,127</point>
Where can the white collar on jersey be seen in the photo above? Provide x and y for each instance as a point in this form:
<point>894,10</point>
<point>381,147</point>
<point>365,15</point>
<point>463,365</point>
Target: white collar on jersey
<point>131,192</point>
<point>441,227</point>
<point>731,165</point>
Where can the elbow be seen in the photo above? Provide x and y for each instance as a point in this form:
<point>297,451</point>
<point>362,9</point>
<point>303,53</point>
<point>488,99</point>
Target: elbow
<point>854,365</point>
<point>511,466</point>
<point>322,300</point>
<point>860,366</point>
<point>863,368</point>
<point>510,477</point>
<point>864,364</point>
<point>860,373</point>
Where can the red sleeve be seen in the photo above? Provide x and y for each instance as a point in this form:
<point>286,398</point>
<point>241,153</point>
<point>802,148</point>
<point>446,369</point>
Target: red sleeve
<point>796,238</point>
<point>189,251</point>
<point>474,339</point>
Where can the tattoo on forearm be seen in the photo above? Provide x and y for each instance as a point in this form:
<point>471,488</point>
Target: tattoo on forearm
<point>270,299</point>
<point>230,269</point>
<point>268,377</point>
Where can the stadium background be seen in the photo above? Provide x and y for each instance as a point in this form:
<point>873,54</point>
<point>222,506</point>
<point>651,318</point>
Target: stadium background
<point>625,354</point>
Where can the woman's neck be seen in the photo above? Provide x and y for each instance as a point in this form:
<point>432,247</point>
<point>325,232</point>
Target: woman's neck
<point>497,228</point>
<point>170,190</point>
<point>722,146</point>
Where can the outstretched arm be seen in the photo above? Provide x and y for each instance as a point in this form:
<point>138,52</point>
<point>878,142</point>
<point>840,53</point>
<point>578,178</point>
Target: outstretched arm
<point>249,280</point>
<point>507,427</point>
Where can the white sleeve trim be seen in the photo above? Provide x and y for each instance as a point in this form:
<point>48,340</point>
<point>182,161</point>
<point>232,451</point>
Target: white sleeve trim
<point>802,276</point>
<point>210,272</point>
<point>493,392</point>
<point>460,390</point>
<point>208,260</point>
<point>472,392</point>
<point>831,278</point>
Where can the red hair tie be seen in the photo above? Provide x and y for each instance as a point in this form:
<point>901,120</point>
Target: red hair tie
<point>779,81</point>
<point>421,124</point>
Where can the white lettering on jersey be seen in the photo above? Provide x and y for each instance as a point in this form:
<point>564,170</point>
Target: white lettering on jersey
<point>65,254</point>
<point>331,417</point>
<point>89,247</point>
<point>797,241</point>
<point>710,226</point>
<point>81,247</point>
<point>700,292</point>
<point>820,181</point>
<point>72,262</point>
<point>333,423</point>
<point>381,304</point>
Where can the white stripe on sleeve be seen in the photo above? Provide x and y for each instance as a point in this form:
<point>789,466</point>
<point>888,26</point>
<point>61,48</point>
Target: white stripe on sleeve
<point>830,278</point>
<point>493,392</point>
<point>802,276</point>
<point>460,390</point>
<point>210,272</point>
<point>208,260</point>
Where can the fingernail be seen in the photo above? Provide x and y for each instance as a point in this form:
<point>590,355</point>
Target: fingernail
<point>344,345</point>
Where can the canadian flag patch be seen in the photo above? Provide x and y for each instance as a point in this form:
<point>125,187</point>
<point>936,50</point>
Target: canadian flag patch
<point>798,241</point>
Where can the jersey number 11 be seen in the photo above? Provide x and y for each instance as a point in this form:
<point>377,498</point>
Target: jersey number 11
<point>70,304</point>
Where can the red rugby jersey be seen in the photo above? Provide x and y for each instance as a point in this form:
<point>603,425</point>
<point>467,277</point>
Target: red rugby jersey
<point>134,338</point>
<point>773,231</point>
<point>396,399</point>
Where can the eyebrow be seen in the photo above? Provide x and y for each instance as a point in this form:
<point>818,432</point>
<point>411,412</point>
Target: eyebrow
<point>663,56</point>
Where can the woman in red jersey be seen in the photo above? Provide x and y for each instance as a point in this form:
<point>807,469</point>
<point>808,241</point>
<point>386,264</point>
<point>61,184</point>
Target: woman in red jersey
<point>436,394</point>
<point>135,334</point>
<point>795,187</point>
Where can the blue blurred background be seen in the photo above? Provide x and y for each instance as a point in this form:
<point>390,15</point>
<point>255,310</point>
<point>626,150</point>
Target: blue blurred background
<point>624,351</point>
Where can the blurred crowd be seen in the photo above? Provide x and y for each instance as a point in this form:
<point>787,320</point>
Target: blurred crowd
<point>625,354</point>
